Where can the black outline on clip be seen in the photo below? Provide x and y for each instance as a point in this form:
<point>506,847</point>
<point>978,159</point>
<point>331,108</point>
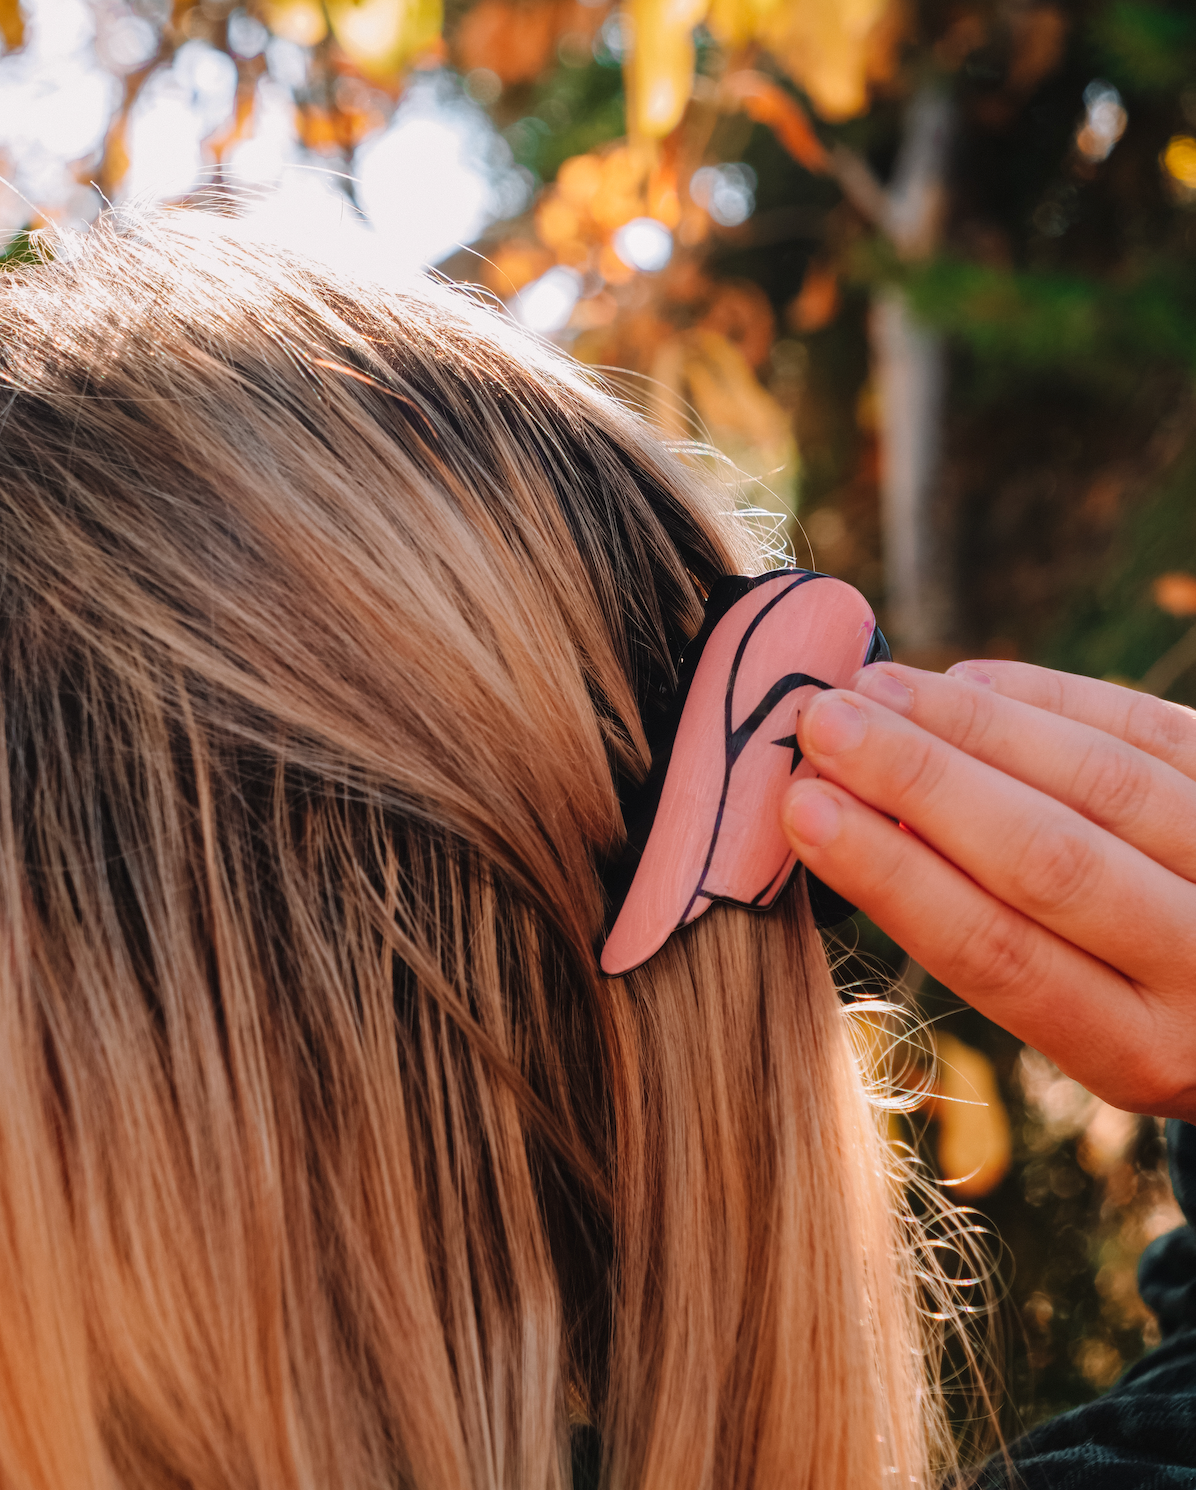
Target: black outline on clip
<point>640,803</point>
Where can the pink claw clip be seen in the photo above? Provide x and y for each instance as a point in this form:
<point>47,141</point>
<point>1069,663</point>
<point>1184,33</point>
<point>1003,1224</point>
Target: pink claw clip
<point>706,824</point>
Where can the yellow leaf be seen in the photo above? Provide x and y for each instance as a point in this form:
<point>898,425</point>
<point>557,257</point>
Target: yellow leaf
<point>1179,160</point>
<point>825,47</point>
<point>975,1144</point>
<point>381,36</point>
<point>737,22</point>
<point>300,21</point>
<point>660,66</point>
<point>704,388</point>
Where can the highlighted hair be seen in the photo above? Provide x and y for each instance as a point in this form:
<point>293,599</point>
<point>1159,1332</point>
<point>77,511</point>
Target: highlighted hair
<point>326,1156</point>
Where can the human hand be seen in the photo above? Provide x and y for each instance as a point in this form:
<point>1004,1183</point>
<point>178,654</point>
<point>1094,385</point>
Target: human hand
<point>1045,866</point>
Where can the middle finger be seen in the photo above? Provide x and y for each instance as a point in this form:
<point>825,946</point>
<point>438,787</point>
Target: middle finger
<point>1021,845</point>
<point>1133,794</point>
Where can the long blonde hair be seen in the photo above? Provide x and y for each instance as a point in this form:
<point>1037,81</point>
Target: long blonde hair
<point>330,619</point>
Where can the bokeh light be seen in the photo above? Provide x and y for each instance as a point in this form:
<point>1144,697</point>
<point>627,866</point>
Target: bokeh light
<point>1104,122</point>
<point>1179,160</point>
<point>643,243</point>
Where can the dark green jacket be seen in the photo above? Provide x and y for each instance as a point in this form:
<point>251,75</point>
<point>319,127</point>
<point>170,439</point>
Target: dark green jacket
<point>1141,1435</point>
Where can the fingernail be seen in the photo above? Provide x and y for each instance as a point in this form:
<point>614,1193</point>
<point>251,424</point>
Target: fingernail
<point>812,815</point>
<point>968,672</point>
<point>833,725</point>
<point>874,683</point>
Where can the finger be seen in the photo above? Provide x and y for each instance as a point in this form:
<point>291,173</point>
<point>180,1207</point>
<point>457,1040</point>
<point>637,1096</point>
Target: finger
<point>1163,729</point>
<point>1121,788</point>
<point>1019,844</point>
<point>997,959</point>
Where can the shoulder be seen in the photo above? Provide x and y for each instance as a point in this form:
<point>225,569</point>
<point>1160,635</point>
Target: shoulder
<point>1139,1436</point>
<point>1142,1434</point>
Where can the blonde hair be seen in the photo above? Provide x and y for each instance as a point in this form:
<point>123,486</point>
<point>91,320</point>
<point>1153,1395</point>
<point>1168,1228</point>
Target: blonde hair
<point>326,1156</point>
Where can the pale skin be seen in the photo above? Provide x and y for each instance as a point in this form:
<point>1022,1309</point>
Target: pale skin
<point>1048,874</point>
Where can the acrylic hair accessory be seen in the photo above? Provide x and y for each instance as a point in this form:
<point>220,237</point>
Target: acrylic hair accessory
<point>706,824</point>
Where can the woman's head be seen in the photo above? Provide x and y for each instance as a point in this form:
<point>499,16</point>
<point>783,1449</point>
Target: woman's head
<point>331,620</point>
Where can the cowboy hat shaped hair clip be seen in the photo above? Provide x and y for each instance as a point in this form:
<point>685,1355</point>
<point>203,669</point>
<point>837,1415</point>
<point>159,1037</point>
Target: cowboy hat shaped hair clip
<point>705,825</point>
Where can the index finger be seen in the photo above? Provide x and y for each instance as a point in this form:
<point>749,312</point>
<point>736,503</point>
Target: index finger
<point>1160,728</point>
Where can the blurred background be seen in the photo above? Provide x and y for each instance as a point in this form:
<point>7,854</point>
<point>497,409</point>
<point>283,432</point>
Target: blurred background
<point>921,270</point>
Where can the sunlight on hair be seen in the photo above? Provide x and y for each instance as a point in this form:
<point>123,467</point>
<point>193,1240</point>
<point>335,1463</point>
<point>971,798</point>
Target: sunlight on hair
<point>351,681</point>
<point>959,1254</point>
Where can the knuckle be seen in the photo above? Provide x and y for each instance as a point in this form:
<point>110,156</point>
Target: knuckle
<point>974,724</point>
<point>1001,953</point>
<point>1157,1077</point>
<point>1178,1099</point>
<point>1162,729</point>
<point>1113,784</point>
<point>1054,690</point>
<point>1139,1085</point>
<point>1057,868</point>
<point>1141,1081</point>
<point>918,769</point>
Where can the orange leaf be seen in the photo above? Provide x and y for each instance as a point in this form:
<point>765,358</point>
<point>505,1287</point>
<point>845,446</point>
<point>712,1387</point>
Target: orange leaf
<point>742,313</point>
<point>817,302</point>
<point>236,129</point>
<point>1175,593</point>
<point>317,128</point>
<point>1039,37</point>
<point>515,41</point>
<point>612,268</point>
<point>514,264</point>
<point>114,163</point>
<point>766,102</point>
<point>12,24</point>
<point>975,1144</point>
<point>556,221</point>
<point>580,179</point>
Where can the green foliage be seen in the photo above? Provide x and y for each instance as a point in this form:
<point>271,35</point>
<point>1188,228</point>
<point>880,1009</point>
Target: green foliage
<point>576,110</point>
<point>21,249</point>
<point>1147,48</point>
<point>1113,627</point>
<point>1089,327</point>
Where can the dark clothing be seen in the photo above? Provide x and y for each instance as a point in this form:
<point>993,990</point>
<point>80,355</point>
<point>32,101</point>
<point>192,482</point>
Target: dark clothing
<point>1141,1435</point>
